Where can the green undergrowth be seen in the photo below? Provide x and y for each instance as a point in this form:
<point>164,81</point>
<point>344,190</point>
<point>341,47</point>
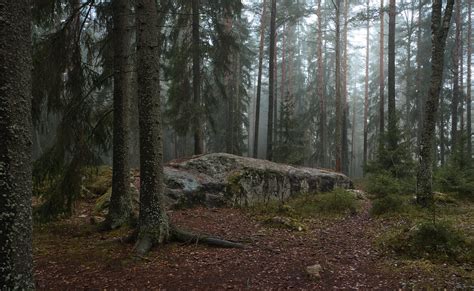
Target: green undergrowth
<point>293,213</point>
<point>442,233</point>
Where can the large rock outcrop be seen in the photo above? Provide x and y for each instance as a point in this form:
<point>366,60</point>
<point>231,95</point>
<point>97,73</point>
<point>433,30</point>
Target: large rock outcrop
<point>224,179</point>
<point>228,180</point>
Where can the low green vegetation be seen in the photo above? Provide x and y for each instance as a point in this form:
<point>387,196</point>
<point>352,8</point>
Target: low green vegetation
<point>292,213</point>
<point>434,241</point>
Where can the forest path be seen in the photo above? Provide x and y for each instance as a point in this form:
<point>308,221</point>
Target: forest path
<point>347,250</point>
<point>71,254</point>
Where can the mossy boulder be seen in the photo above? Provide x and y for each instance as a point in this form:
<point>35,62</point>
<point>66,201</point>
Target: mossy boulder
<point>227,180</point>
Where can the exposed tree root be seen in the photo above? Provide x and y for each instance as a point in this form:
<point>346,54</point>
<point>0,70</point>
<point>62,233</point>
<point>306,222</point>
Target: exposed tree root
<point>189,237</point>
<point>145,243</point>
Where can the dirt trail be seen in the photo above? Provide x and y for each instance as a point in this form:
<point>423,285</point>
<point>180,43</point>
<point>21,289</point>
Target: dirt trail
<point>350,260</point>
<point>67,257</point>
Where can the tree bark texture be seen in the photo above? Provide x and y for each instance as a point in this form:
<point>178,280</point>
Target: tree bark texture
<point>456,93</point>
<point>271,81</point>
<point>392,118</point>
<point>320,88</point>
<point>345,106</point>
<point>15,146</point>
<point>469,82</point>
<point>120,208</point>
<point>259,79</point>
<point>153,222</point>
<point>339,117</point>
<point>381,77</point>
<point>440,27</point>
<point>366,93</point>
<point>198,131</point>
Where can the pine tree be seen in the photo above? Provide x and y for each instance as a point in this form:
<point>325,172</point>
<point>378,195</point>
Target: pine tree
<point>153,225</point>
<point>120,208</point>
<point>271,81</point>
<point>16,263</point>
<point>440,27</point>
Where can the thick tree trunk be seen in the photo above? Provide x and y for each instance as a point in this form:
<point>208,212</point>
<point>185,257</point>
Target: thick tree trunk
<point>440,28</point>
<point>16,265</point>
<point>120,209</point>
<point>455,101</point>
<point>339,117</point>
<point>366,94</point>
<point>153,225</point>
<point>271,81</point>
<point>198,131</point>
<point>381,77</point>
<point>259,79</point>
<point>469,83</point>
<point>392,118</point>
<point>320,88</point>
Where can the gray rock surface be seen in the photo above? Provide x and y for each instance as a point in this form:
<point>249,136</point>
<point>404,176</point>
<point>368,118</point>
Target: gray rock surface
<point>217,180</point>
<point>224,179</point>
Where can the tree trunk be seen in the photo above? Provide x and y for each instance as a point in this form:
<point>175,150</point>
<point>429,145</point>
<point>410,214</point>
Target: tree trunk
<point>366,95</point>
<point>392,118</point>
<point>153,225</point>
<point>16,265</point>
<point>320,88</point>
<point>271,81</point>
<point>381,77</point>
<point>469,83</point>
<point>455,101</point>
<point>419,95</point>
<point>339,117</point>
<point>198,132</point>
<point>259,79</point>
<point>229,90</point>
<point>440,27</point>
<point>120,208</point>
<point>345,117</point>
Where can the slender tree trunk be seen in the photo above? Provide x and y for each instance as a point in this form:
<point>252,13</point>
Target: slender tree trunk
<point>153,225</point>
<point>275,98</point>
<point>229,91</point>
<point>320,88</point>
<point>392,118</point>
<point>440,27</point>
<point>455,101</point>
<point>198,131</point>
<point>442,134</point>
<point>419,94</point>
<point>381,77</point>
<point>469,82</point>
<point>259,79</point>
<point>339,116</point>
<point>16,264</point>
<point>366,95</point>
<point>271,81</point>
<point>345,117</point>
<point>120,209</point>
<point>283,75</point>
<point>353,146</point>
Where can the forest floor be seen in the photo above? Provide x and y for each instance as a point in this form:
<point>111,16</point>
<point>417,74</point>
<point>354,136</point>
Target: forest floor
<point>71,254</point>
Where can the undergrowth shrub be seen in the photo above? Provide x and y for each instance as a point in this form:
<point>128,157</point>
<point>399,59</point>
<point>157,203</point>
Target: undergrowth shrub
<point>338,201</point>
<point>428,240</point>
<point>452,178</point>
<point>302,206</point>
<point>387,204</point>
